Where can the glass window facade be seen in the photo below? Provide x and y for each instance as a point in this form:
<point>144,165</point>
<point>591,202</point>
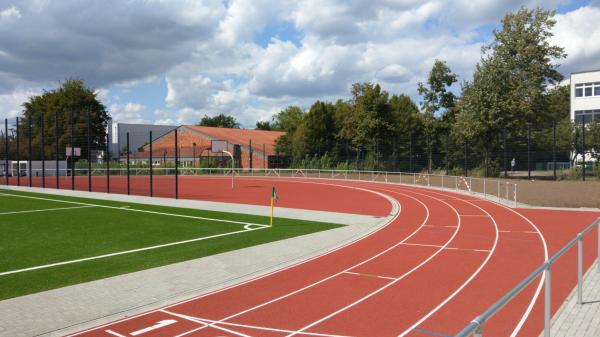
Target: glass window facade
<point>587,115</point>
<point>587,89</point>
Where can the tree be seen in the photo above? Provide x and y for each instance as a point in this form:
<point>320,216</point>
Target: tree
<point>508,89</point>
<point>263,125</point>
<point>220,121</point>
<point>522,54</point>
<point>72,98</point>
<point>557,103</point>
<point>318,130</point>
<point>436,97</point>
<point>288,119</point>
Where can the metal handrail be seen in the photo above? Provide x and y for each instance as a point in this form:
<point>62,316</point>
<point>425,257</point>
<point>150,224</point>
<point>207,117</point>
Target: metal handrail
<point>475,327</point>
<point>506,191</point>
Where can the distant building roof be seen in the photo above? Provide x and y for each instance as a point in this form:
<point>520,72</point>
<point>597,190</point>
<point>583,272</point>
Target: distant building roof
<point>201,136</point>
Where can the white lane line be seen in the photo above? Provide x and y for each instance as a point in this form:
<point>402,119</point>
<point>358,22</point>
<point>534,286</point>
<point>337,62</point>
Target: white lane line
<point>521,232</point>
<point>396,280</point>
<point>449,248</point>
<point>254,327</point>
<point>541,283</point>
<point>128,251</point>
<point>206,325</point>
<point>113,333</point>
<point>396,210</point>
<point>394,201</point>
<point>370,275</point>
<point>45,210</point>
<point>127,208</point>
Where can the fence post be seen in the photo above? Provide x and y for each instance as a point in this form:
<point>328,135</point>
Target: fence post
<point>499,195</point>
<point>89,148</point>
<point>410,153</point>
<point>579,268</point>
<point>151,165</point>
<point>107,158</point>
<point>515,186</point>
<point>529,151</point>
<point>547,300</point>
<point>30,149</point>
<point>43,155</point>
<point>505,153</point>
<point>583,148</point>
<point>57,150</point>
<point>484,188</point>
<point>466,159</point>
<point>177,167</point>
<point>6,150</point>
<point>554,149</point>
<point>128,173</point>
<point>72,152</point>
<point>18,159</point>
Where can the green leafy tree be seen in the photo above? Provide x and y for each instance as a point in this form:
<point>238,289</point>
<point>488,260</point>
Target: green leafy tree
<point>72,98</point>
<point>263,125</point>
<point>436,98</point>
<point>317,132</point>
<point>220,121</point>
<point>287,120</point>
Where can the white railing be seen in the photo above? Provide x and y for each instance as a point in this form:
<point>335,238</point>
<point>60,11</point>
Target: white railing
<point>487,188</point>
<point>476,326</point>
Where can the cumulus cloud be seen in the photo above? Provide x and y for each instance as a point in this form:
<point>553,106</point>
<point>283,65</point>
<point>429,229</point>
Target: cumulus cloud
<point>208,55</point>
<point>578,32</point>
<point>128,113</point>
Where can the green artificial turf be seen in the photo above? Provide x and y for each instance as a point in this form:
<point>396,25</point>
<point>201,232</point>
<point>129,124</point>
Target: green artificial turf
<point>52,236</point>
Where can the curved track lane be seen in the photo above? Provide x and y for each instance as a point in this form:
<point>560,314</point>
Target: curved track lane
<point>440,261</point>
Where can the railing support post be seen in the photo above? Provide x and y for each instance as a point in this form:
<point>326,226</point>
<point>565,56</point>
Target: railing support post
<point>478,332</point>
<point>598,256</point>
<point>547,300</point>
<point>579,268</point>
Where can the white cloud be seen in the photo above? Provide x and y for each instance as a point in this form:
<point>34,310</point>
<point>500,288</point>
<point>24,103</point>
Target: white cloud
<point>128,113</point>
<point>578,32</point>
<point>206,53</point>
<point>10,14</point>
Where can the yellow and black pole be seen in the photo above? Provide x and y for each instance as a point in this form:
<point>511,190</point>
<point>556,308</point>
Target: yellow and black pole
<point>273,200</point>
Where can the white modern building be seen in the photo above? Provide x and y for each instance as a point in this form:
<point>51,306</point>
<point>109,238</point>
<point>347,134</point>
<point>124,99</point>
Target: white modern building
<point>585,96</point>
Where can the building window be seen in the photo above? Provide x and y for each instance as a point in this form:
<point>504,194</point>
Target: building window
<point>597,89</point>
<point>587,89</point>
<point>586,115</point>
<point>578,90</point>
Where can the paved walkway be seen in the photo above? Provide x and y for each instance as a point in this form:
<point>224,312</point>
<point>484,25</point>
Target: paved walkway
<point>580,320</point>
<point>65,310</point>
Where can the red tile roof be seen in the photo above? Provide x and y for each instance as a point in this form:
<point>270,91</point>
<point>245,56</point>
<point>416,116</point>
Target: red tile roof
<point>202,135</point>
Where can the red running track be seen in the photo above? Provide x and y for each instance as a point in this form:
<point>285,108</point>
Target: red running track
<point>439,262</point>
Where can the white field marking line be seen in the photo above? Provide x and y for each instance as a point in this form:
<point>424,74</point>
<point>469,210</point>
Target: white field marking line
<point>396,280</point>
<point>206,325</point>
<point>255,327</point>
<point>440,226</point>
<point>128,251</point>
<point>541,283</point>
<point>396,207</point>
<point>125,208</point>
<point>45,210</point>
<point>368,275</point>
<point>520,232</point>
<point>114,333</point>
<point>450,248</point>
<point>328,277</point>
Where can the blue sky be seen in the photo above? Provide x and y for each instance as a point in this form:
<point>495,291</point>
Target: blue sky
<point>173,62</point>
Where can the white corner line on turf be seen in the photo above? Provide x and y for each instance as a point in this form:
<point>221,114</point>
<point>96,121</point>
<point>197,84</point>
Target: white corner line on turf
<point>130,251</point>
<point>127,208</point>
<point>45,210</point>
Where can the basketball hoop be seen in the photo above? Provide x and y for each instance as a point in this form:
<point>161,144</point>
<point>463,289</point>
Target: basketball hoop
<point>220,146</point>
